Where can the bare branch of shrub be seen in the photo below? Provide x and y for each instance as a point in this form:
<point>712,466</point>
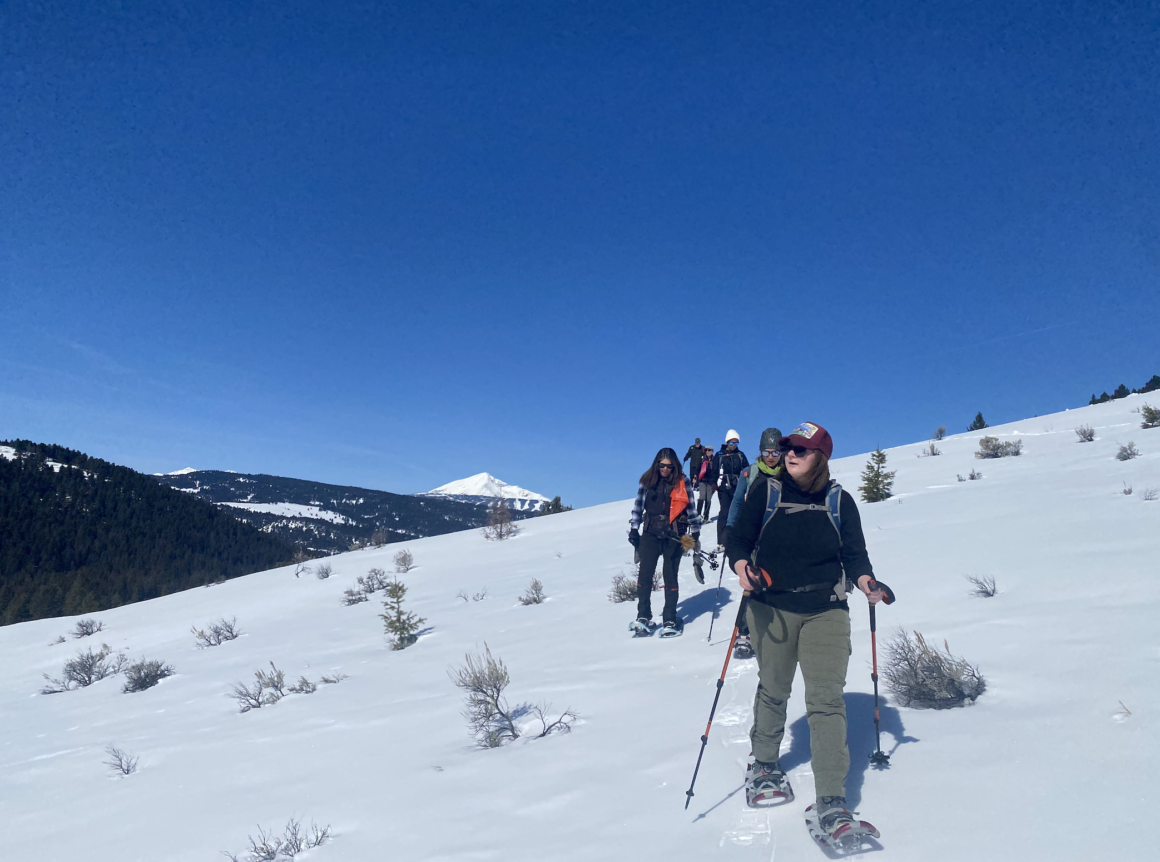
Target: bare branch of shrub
<point>983,585</point>
<point>119,761</point>
<point>268,847</point>
<point>562,724</point>
<point>300,567</point>
<point>1085,433</point>
<point>59,640</point>
<point>216,634</point>
<point>333,678</point>
<point>323,571</point>
<point>925,677</point>
<point>930,451</point>
<point>379,537</point>
<point>404,561</point>
<point>534,594</point>
<point>144,674</point>
<point>354,596</point>
<point>480,596</point>
<point>1149,494</point>
<point>483,679</point>
<point>86,628</point>
<point>993,447</point>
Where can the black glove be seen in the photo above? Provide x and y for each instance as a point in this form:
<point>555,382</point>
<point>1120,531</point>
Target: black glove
<point>634,537</point>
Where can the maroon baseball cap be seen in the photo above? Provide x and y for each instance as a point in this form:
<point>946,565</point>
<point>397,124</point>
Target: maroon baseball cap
<point>809,436</point>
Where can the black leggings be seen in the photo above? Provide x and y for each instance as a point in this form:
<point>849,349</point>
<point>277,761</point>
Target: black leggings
<point>653,548</point>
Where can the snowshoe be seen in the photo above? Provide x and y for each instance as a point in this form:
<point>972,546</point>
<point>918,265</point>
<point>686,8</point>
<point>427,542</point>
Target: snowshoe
<point>766,785</point>
<point>836,829</point>
<point>673,629</point>
<point>743,648</point>
<point>641,628</point>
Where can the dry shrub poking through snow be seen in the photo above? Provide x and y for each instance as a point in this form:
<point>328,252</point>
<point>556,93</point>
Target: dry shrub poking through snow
<point>983,586</point>
<point>85,628</point>
<point>404,561</point>
<point>940,432</point>
<point>925,677</point>
<point>216,634</point>
<point>323,571</point>
<point>268,847</point>
<point>1149,494</point>
<point>993,447</point>
<point>121,762</point>
<point>483,679</point>
<point>1127,453</point>
<point>268,689</point>
<point>1085,433</point>
<point>534,595</point>
<point>145,674</point>
<point>85,669</point>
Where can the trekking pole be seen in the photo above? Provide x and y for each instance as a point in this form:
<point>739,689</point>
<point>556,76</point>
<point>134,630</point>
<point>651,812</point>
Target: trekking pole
<point>716,697</point>
<point>879,758</point>
<point>717,606</point>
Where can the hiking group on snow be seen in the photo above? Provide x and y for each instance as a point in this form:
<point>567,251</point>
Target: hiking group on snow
<point>794,539</point>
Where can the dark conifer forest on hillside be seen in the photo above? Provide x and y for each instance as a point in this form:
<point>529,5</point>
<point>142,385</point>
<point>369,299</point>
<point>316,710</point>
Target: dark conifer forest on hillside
<point>78,534</point>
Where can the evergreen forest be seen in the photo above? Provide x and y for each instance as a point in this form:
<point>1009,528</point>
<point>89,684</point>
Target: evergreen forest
<point>78,535</point>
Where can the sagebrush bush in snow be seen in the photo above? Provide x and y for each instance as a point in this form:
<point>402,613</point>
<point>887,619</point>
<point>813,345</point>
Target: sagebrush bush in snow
<point>268,847</point>
<point>1127,492</point>
<point>1085,433</point>
<point>59,640</point>
<point>1127,453</point>
<point>402,627</point>
<point>1150,415</point>
<point>216,634</point>
<point>974,475</point>
<point>379,537</point>
<point>480,596</point>
<point>534,594</point>
<point>925,677</point>
<point>483,679</point>
<point>144,674</point>
<point>374,580</point>
<point>940,432</point>
<point>268,688</point>
<point>983,585</point>
<point>623,589</point>
<point>300,559</point>
<point>323,571</point>
<point>404,561</point>
<point>930,451</point>
<point>121,762</point>
<point>993,447</point>
<point>332,678</point>
<point>354,597</point>
<point>303,686</point>
<point>86,628</point>
<point>1149,494</point>
<point>85,669</point>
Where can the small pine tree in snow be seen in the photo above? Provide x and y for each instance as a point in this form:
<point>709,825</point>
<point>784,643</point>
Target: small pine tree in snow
<point>877,481</point>
<point>1122,391</point>
<point>1151,416</point>
<point>402,627</point>
<point>979,424</point>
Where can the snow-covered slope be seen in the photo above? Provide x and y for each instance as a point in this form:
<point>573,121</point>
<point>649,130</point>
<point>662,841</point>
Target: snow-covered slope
<point>1048,765</point>
<point>483,486</point>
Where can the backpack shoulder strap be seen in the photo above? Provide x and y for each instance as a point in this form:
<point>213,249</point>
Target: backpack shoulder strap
<point>772,502</point>
<point>834,507</point>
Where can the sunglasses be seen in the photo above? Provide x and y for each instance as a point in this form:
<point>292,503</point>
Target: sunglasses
<point>665,465</point>
<point>770,453</point>
<point>798,451</point>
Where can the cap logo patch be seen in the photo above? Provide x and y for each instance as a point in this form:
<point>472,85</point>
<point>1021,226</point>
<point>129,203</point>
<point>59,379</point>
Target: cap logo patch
<point>806,429</point>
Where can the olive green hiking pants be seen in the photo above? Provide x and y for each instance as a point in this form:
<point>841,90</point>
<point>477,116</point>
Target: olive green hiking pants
<point>820,643</point>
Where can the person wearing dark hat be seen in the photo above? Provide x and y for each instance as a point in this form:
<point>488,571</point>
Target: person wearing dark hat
<point>797,564</point>
<point>705,480</point>
<point>751,481</point>
<point>694,456</point>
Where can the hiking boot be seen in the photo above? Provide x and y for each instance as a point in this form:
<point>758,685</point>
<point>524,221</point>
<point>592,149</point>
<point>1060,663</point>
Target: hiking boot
<point>832,814</point>
<point>766,784</point>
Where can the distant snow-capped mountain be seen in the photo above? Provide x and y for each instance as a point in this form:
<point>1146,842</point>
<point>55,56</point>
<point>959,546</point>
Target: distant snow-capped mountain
<point>484,487</point>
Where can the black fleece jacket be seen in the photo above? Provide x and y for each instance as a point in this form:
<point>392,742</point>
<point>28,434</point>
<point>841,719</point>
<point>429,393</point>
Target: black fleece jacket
<point>800,549</point>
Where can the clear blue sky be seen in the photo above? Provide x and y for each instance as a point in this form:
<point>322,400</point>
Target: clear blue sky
<point>394,244</point>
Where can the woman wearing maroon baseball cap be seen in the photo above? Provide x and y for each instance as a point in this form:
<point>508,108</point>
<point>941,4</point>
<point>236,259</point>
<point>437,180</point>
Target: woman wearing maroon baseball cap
<point>796,562</point>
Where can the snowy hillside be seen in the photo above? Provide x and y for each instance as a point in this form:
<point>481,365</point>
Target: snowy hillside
<point>1057,761</point>
<point>484,486</point>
